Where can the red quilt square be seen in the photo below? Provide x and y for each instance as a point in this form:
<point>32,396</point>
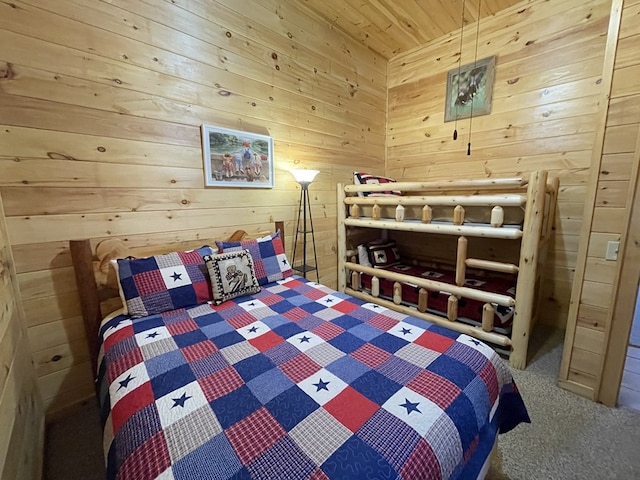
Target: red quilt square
<point>266,341</point>
<point>254,434</point>
<point>328,330</point>
<point>299,368</point>
<point>292,283</point>
<point>130,404</point>
<point>490,378</point>
<point>241,320</point>
<point>149,460</point>
<point>203,291</point>
<point>345,307</point>
<point>434,342</point>
<point>318,475</point>
<point>181,327</point>
<point>149,282</point>
<point>271,299</point>
<point>314,294</point>
<point>192,257</point>
<point>383,322</point>
<point>351,408</point>
<point>220,383</point>
<point>118,335</point>
<point>434,387</point>
<point>124,362</point>
<point>423,463</point>
<point>199,350</point>
<point>295,314</point>
<point>371,355</point>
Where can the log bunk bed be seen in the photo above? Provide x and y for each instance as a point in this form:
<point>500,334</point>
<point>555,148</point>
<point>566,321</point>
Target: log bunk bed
<point>416,209</point>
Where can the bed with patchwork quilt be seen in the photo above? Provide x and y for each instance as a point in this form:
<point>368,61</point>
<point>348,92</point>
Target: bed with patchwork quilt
<point>220,364</point>
<point>299,381</point>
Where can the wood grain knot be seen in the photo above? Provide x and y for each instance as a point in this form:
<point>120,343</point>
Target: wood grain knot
<point>7,72</point>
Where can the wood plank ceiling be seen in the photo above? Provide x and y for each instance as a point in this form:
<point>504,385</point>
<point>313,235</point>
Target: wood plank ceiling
<point>390,27</point>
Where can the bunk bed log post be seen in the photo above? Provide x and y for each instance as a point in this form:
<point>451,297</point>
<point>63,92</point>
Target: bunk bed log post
<point>82,259</point>
<point>427,214</point>
<point>354,211</point>
<point>423,300</point>
<point>488,314</point>
<point>399,213</point>
<point>458,215</point>
<point>452,308</point>
<point>461,257</point>
<point>523,315</point>
<point>497,216</point>
<point>355,280</point>
<point>397,293</point>
<point>342,239</point>
<point>376,212</point>
<point>375,286</point>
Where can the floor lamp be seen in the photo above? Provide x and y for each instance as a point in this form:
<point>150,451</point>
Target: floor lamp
<point>304,227</point>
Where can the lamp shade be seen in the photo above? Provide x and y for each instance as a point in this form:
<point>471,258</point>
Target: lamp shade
<point>303,175</point>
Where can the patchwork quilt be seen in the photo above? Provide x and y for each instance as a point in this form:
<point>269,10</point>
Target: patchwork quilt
<point>299,381</point>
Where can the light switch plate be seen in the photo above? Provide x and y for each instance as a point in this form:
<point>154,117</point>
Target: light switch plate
<point>612,250</point>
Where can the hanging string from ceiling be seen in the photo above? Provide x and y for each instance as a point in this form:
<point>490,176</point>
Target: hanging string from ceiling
<point>455,128</point>
<point>473,76</point>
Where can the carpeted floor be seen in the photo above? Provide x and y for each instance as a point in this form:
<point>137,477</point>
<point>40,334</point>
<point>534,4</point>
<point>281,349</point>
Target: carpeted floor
<point>569,437</point>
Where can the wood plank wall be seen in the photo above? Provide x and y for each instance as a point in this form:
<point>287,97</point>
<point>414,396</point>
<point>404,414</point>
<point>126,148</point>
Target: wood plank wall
<point>546,94</point>
<point>102,103</point>
<point>585,343</point>
<point>21,413</point>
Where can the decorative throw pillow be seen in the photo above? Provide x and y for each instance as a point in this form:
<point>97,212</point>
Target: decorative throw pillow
<point>360,178</point>
<point>383,255</point>
<point>363,255</point>
<point>232,275</point>
<point>269,261</point>
<point>164,282</point>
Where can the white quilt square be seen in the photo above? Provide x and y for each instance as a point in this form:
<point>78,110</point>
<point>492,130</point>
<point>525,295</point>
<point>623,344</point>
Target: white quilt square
<point>179,403</point>
<point>322,386</point>
<point>415,410</point>
<point>305,340</point>
<point>174,277</point>
<point>406,331</point>
<point>253,330</point>
<point>128,382</point>
<point>152,335</point>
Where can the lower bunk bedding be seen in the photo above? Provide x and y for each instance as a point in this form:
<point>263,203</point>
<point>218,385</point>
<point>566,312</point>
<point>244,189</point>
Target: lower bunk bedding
<point>469,310</point>
<point>299,381</point>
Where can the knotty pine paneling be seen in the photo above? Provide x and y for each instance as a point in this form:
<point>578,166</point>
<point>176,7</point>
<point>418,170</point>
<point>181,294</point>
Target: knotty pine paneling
<point>545,98</point>
<point>102,104</point>
<point>620,156</point>
<point>21,413</point>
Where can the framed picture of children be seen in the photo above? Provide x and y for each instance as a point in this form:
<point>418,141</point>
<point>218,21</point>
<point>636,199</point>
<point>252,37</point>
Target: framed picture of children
<point>236,159</point>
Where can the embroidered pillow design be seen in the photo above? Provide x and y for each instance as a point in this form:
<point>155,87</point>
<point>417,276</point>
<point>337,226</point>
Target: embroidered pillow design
<point>232,275</point>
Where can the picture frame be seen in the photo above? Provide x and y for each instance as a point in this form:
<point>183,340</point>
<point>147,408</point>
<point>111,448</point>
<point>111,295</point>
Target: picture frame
<point>237,159</point>
<point>470,89</point>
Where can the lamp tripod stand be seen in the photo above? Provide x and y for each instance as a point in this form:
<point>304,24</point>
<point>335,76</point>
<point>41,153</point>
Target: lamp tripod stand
<point>304,225</point>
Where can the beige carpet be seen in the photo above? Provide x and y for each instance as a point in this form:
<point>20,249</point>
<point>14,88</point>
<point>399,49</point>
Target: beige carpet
<point>569,437</point>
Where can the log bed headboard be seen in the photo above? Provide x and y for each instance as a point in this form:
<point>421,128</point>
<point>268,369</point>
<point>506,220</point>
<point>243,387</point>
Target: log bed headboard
<point>97,285</point>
